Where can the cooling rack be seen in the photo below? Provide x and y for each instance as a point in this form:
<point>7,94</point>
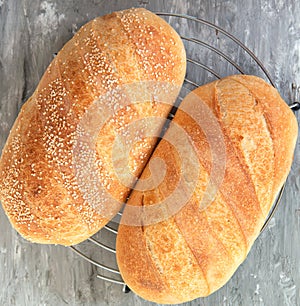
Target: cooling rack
<point>212,53</point>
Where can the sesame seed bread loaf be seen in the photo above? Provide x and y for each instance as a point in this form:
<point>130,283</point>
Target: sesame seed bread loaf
<point>38,183</point>
<point>193,251</point>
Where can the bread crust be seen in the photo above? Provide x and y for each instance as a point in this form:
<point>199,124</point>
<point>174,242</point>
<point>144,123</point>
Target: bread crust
<point>38,186</point>
<point>195,252</point>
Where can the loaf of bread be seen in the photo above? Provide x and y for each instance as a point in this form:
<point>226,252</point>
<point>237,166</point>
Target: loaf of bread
<point>175,255</point>
<point>45,189</point>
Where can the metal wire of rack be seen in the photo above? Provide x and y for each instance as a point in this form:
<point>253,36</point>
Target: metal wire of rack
<point>213,47</point>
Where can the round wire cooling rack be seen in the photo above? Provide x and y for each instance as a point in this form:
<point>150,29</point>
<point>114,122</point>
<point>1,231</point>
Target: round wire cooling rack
<point>217,54</point>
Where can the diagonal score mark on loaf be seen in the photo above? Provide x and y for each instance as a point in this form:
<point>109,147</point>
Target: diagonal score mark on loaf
<point>156,55</point>
<point>283,127</point>
<point>53,144</point>
<point>67,114</point>
<point>156,52</point>
<point>135,253</point>
<point>226,242</point>
<point>244,122</point>
<point>213,234</point>
<point>175,260</point>
<point>128,72</point>
<point>152,273</point>
<point>166,244</point>
<point>157,237</point>
<point>102,59</point>
<point>61,111</point>
<point>237,188</point>
<point>220,216</point>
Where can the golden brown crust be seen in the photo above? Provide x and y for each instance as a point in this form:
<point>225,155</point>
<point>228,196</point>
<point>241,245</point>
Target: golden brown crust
<point>208,245</point>
<point>39,190</point>
<point>284,125</point>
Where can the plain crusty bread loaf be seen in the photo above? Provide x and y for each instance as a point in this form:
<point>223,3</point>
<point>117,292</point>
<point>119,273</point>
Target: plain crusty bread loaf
<point>38,187</point>
<point>194,252</point>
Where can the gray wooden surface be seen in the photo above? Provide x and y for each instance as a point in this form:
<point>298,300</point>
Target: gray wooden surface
<point>30,32</point>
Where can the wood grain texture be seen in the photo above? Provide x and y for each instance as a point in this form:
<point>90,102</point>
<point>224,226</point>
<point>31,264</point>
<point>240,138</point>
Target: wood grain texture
<point>48,275</point>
